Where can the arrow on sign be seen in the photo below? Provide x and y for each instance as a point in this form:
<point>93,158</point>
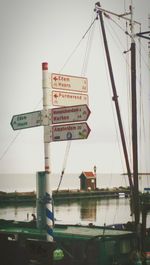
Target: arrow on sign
<point>70,114</point>
<point>68,82</point>
<point>71,131</point>
<point>60,98</point>
<point>26,120</point>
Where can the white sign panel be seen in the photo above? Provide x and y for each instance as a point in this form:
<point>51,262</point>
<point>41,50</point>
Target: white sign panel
<point>71,83</point>
<point>26,120</point>
<point>71,131</point>
<point>70,114</point>
<point>60,98</point>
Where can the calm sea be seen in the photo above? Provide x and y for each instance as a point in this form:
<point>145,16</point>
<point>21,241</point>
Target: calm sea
<point>27,182</point>
<point>85,211</point>
<point>80,211</point>
<point>96,211</point>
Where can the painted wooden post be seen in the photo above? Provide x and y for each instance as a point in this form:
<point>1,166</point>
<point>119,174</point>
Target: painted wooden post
<point>48,191</point>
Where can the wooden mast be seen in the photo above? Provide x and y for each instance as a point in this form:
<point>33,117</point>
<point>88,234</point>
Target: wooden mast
<point>115,96</point>
<point>133,183</point>
<point>134,125</point>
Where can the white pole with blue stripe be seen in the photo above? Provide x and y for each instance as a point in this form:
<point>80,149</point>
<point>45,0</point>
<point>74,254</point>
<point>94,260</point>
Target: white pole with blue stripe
<point>48,189</point>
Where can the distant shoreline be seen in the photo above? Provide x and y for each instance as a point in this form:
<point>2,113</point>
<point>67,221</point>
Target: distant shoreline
<point>30,197</point>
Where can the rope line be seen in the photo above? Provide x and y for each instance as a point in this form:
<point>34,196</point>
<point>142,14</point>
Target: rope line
<point>84,67</point>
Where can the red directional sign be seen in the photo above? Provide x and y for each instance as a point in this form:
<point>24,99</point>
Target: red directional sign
<point>70,114</point>
<point>67,82</point>
<point>62,98</point>
<point>71,131</point>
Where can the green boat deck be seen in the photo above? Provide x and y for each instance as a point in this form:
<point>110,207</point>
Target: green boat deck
<point>29,230</point>
<point>88,245</point>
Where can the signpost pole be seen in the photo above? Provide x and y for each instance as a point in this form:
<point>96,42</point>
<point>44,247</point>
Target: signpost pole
<point>48,189</point>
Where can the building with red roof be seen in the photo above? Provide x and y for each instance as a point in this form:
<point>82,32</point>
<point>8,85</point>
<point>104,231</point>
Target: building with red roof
<point>87,181</point>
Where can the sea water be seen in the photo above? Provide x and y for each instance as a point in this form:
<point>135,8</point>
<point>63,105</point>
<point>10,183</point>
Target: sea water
<point>84,211</point>
<point>27,182</point>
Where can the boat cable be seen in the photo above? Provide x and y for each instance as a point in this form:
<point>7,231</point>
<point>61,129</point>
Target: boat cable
<point>143,123</point>
<point>127,70</point>
<point>83,70</point>
<point>139,79</point>
<point>142,131</point>
<point>64,164</point>
<point>121,48</point>
<point>88,49</point>
<point>12,141</point>
<point>125,55</point>
<point>121,125</point>
<point>113,112</point>
<point>78,44</point>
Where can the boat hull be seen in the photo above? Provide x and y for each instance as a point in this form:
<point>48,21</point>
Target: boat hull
<point>79,244</point>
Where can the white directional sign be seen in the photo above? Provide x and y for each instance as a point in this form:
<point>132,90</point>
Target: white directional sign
<point>67,82</point>
<point>26,120</point>
<point>71,131</point>
<point>70,114</point>
<point>61,98</point>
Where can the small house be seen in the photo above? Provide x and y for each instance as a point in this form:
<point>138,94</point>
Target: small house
<point>87,181</point>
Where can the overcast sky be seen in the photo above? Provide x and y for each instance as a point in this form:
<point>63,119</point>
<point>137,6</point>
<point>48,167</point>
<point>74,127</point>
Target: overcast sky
<point>36,31</point>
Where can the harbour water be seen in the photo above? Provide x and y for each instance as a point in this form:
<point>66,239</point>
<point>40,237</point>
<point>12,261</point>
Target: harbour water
<point>84,211</point>
<point>96,211</point>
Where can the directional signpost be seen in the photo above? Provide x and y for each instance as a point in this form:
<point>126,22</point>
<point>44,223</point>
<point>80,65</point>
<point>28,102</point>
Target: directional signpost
<point>70,114</point>
<point>60,124</point>
<point>71,131</point>
<point>26,120</point>
<point>61,98</point>
<point>67,82</point>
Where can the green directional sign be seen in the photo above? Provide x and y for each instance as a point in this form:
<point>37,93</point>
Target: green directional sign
<point>26,120</point>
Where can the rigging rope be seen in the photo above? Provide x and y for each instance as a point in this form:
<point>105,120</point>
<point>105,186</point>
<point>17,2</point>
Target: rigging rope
<point>84,68</point>
<point>64,164</point>
<point>15,137</point>
<point>78,44</point>
<point>87,52</point>
<point>121,52</point>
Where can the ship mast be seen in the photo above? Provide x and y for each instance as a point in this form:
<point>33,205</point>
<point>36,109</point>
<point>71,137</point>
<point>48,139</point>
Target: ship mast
<point>134,123</point>
<point>145,35</point>
<point>133,183</point>
<point>115,96</point>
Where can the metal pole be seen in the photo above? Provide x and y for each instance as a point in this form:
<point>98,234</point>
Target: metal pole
<point>115,96</point>
<point>48,190</point>
<point>40,200</point>
<point>134,123</point>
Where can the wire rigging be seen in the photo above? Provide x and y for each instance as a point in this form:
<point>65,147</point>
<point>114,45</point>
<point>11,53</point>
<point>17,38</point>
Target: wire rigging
<point>64,164</point>
<point>9,145</point>
<point>88,48</point>
<point>121,49</point>
<point>77,45</point>
<point>84,68</point>
<point>16,136</point>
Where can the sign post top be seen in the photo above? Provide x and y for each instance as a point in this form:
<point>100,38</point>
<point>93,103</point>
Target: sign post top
<point>45,66</point>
